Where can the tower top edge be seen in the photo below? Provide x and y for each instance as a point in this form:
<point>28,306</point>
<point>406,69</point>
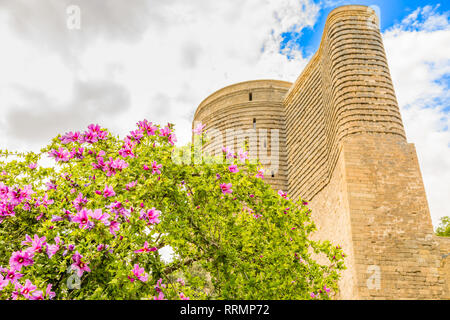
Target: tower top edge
<point>245,85</point>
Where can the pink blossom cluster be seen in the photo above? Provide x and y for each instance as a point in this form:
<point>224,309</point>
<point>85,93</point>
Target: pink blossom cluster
<point>138,273</point>
<point>24,258</point>
<point>155,168</point>
<point>325,291</point>
<point>111,167</point>
<point>79,265</point>
<point>92,135</point>
<point>226,188</point>
<point>12,197</point>
<point>128,146</point>
<point>151,216</point>
<point>63,155</point>
<point>148,128</point>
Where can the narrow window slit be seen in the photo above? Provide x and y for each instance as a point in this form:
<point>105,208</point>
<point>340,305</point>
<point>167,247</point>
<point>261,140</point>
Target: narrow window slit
<point>250,96</point>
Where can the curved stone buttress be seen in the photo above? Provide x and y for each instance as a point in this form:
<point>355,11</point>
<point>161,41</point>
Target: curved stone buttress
<point>254,111</point>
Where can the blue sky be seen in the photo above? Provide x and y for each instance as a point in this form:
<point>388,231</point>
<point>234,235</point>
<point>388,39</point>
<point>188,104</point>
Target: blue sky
<point>392,12</point>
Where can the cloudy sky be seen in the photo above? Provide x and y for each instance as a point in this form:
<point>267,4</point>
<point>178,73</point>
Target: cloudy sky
<point>158,59</point>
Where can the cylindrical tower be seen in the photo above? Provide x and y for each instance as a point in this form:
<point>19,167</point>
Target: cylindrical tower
<point>249,111</point>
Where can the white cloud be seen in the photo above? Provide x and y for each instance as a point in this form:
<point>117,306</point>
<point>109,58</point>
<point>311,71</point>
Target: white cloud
<point>186,51</point>
<point>418,52</point>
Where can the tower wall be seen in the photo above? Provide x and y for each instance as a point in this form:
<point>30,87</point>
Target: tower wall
<point>348,154</point>
<point>230,113</point>
<point>342,146</point>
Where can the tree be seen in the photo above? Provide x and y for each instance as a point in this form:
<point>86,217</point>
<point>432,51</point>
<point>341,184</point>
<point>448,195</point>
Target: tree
<point>93,226</point>
<point>444,228</point>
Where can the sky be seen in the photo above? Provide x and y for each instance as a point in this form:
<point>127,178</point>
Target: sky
<point>129,60</point>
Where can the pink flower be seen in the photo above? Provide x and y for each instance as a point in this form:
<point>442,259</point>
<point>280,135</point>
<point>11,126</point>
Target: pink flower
<point>233,168</point>
<point>146,248</point>
<point>127,148</point>
<point>226,188</point>
<point>49,293</point>
<point>27,289</point>
<point>165,132</point>
<point>37,244</point>
<point>159,297</point>
<point>102,247</point>
<point>12,275</point>
<point>93,134</point>
<point>70,137</point>
<point>108,192</point>
<point>181,281</point>
<point>137,135</point>
<point>115,165</point>
<point>131,185</point>
<point>79,265</point>
<point>50,185</point>
<point>282,194</point>
<point>79,201</point>
<point>243,155</point>
<point>199,129</point>
<point>99,216</point>
<point>100,161</point>
<point>147,127</point>
<point>156,167</point>
<point>82,219</point>
<point>159,285</point>
<point>44,201</point>
<point>172,138</point>
<point>60,155</point>
<point>52,249</point>
<point>227,151</point>
<point>77,153</point>
<point>20,259</point>
<point>183,297</point>
<point>3,283</point>
<point>151,215</point>
<point>33,165</point>
<point>113,227</point>
<point>39,295</point>
<point>260,174</point>
<point>314,296</point>
<point>139,273</point>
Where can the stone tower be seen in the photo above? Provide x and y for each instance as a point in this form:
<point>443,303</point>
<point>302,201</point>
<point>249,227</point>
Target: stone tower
<point>342,145</point>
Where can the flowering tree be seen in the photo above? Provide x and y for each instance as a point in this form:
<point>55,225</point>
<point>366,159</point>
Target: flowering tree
<point>93,226</point>
<point>443,230</point>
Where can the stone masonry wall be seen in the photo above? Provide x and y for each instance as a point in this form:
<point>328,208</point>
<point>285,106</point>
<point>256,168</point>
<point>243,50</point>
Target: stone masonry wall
<point>342,146</point>
<point>261,121</point>
<point>347,152</point>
